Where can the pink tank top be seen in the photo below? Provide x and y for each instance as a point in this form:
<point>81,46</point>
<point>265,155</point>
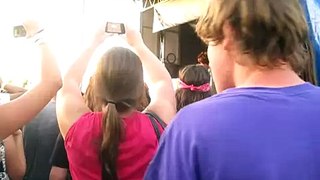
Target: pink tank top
<point>82,144</point>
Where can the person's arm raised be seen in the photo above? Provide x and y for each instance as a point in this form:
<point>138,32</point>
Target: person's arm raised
<point>161,88</point>
<point>70,102</point>
<point>15,114</point>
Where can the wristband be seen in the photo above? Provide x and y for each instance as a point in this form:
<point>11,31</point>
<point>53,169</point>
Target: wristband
<point>41,30</point>
<point>39,41</point>
<point>38,38</point>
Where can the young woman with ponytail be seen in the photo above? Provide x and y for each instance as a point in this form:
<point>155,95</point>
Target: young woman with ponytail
<point>119,142</point>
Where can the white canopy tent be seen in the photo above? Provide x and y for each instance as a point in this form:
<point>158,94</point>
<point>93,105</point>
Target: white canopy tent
<point>175,12</point>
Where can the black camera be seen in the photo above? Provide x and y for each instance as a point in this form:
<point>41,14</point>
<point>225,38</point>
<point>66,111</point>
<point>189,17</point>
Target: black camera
<point>19,31</point>
<point>115,28</point>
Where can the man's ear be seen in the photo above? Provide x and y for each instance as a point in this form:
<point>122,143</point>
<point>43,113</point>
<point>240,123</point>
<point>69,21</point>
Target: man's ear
<point>228,42</point>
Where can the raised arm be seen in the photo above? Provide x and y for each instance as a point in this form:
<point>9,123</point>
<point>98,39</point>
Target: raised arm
<point>160,85</point>
<point>20,111</point>
<point>70,102</point>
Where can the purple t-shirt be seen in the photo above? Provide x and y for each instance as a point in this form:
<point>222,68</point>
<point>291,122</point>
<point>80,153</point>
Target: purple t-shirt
<point>244,134</point>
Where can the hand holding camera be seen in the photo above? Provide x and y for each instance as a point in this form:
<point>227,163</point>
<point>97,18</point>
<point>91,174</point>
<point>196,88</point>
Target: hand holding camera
<point>32,28</point>
<point>133,37</point>
<point>115,28</point>
<point>107,30</point>
<point>28,29</point>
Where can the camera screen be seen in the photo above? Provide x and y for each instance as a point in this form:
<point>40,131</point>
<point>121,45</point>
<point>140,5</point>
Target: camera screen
<point>115,28</point>
<point>19,31</point>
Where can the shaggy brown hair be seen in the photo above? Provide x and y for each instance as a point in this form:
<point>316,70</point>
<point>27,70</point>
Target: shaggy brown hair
<point>267,30</point>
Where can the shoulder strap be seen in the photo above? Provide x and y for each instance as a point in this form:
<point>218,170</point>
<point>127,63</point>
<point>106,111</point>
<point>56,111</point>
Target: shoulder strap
<point>155,120</point>
<point>155,126</point>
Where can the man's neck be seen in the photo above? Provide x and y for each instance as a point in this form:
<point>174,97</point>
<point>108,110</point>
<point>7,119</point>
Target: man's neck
<point>262,77</point>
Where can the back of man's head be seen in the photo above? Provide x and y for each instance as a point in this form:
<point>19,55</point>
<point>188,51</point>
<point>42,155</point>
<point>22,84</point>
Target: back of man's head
<point>272,32</point>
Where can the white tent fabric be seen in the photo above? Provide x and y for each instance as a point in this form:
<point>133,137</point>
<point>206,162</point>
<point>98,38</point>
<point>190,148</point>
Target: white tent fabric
<point>174,12</point>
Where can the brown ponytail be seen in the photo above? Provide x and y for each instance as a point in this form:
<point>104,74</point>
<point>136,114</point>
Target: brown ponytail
<point>112,131</point>
<point>117,86</point>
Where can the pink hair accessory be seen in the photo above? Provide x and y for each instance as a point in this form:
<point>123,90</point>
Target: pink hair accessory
<point>202,88</point>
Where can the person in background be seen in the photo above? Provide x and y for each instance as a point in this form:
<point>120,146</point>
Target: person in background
<point>108,142</point>
<point>264,122</point>
<point>14,154</point>
<point>194,85</point>
<point>14,91</point>
<point>15,114</point>
<point>11,90</point>
<point>203,59</point>
<point>39,137</point>
<point>309,73</point>
<point>59,161</point>
<point>90,99</point>
<point>144,100</point>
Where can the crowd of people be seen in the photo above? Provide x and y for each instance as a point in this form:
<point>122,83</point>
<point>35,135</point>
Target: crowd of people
<point>243,112</point>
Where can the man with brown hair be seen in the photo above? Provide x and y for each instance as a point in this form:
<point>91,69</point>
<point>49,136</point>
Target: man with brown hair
<point>264,123</point>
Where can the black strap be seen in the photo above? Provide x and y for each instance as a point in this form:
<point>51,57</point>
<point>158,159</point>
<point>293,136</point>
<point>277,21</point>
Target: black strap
<point>157,118</point>
<point>155,126</point>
